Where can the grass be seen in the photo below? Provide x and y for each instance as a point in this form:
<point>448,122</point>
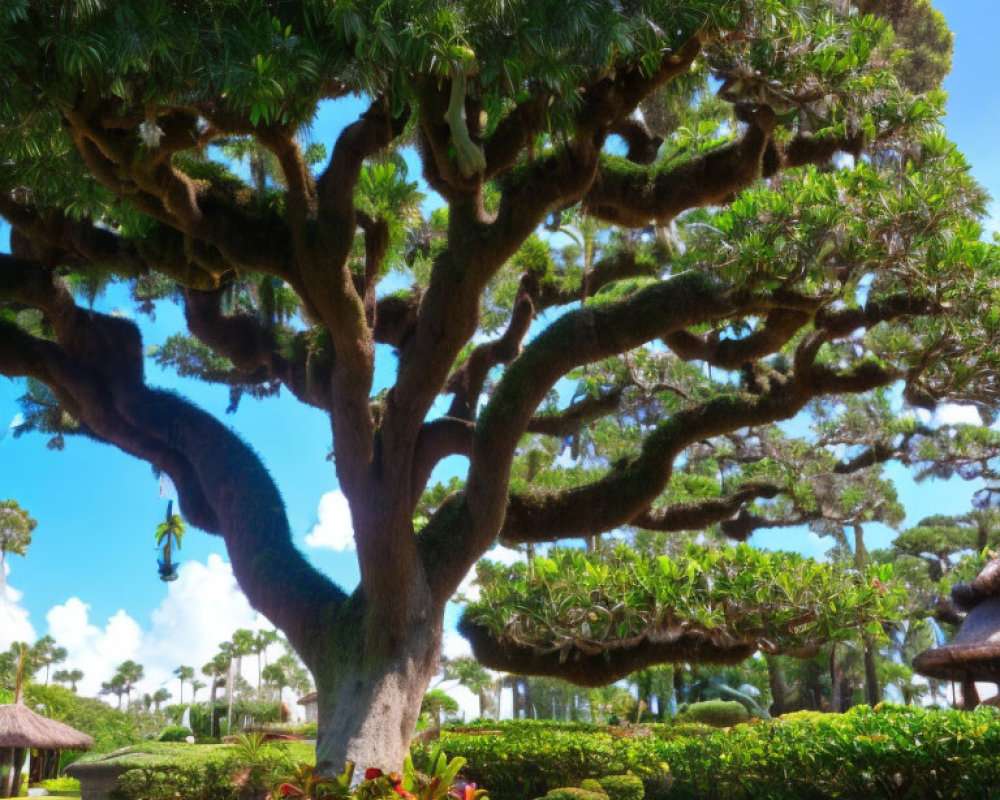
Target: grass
<point>183,754</point>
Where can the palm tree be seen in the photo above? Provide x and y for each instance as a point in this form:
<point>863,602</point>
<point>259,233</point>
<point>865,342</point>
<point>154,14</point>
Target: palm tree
<point>115,686</point>
<point>261,642</point>
<point>72,677</point>
<point>168,536</point>
<point>161,695</point>
<point>275,676</point>
<point>216,671</point>
<point>46,653</point>
<point>130,673</point>
<point>196,686</point>
<point>183,674</point>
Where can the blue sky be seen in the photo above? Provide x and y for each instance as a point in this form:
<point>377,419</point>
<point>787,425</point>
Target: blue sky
<point>90,575</point>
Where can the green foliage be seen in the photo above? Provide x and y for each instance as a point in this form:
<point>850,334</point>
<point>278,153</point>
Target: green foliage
<point>520,760</point>
<point>61,786</point>
<point>573,793</point>
<point>110,728</point>
<point>572,597</point>
<point>717,713</point>
<point>174,733</point>
<point>239,772</point>
<point>863,754</point>
<point>16,526</point>
<point>622,787</point>
<point>210,781</point>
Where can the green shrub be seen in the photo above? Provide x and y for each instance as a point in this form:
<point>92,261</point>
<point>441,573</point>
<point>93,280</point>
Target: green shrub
<point>110,728</point>
<point>592,785</point>
<point>717,713</point>
<point>573,793</point>
<point>63,786</point>
<point>174,733</point>
<point>210,781</point>
<point>886,753</point>
<point>622,787</point>
<point>525,760</point>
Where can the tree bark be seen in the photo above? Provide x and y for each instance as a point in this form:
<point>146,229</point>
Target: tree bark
<point>776,681</point>
<point>369,697</point>
<point>873,691</point>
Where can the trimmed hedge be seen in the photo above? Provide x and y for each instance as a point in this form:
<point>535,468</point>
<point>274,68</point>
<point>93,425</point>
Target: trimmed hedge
<point>623,787</point>
<point>891,752</point>
<point>572,793</point>
<point>174,733</point>
<point>717,713</point>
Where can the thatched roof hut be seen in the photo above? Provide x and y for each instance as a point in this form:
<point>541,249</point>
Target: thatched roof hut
<point>22,727</point>
<point>21,731</point>
<point>974,654</point>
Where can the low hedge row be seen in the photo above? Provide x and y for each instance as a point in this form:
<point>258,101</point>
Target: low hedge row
<point>892,752</point>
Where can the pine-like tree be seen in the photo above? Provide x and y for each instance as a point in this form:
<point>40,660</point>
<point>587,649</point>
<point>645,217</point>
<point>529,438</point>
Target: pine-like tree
<point>606,297</point>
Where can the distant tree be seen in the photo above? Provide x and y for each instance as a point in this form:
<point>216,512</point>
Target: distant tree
<point>437,704</point>
<point>196,686</point>
<point>274,675</point>
<point>472,675</point>
<point>127,674</point>
<point>16,526</point>
<point>160,696</point>
<point>184,674</point>
<point>46,653</point>
<point>116,686</point>
<point>217,671</point>
<point>66,676</point>
<point>262,640</point>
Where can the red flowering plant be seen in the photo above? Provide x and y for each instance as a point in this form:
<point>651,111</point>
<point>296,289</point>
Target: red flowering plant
<point>305,783</point>
<point>439,782</point>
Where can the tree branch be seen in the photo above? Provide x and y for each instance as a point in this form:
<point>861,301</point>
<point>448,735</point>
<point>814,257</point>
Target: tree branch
<point>252,348</point>
<point>467,382</point>
<point>626,194</point>
<point>685,643</point>
<point>439,439</point>
<point>95,369</point>
<point>703,513</point>
<point>562,424</point>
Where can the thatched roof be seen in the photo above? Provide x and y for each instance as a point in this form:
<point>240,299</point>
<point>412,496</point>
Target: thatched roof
<point>22,727</point>
<point>309,698</point>
<point>974,653</point>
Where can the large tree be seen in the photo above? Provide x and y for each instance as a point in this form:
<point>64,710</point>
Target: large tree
<point>785,223</point>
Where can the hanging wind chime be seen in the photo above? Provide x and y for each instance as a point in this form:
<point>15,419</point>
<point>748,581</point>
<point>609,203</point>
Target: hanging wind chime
<point>168,535</point>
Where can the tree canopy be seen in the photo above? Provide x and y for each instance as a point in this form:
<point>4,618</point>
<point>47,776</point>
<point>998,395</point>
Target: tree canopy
<point>646,234</point>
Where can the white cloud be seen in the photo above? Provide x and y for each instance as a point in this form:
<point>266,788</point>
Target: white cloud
<point>454,645</point>
<point>504,555</point>
<point>334,531</point>
<point>14,624</point>
<point>201,609</point>
<point>951,414</point>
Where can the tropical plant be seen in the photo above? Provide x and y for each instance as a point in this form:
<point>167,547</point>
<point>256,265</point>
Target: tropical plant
<point>184,674</point>
<point>70,676</point>
<point>115,686</point>
<point>574,606</point>
<point>46,653</point>
<point>160,696</point>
